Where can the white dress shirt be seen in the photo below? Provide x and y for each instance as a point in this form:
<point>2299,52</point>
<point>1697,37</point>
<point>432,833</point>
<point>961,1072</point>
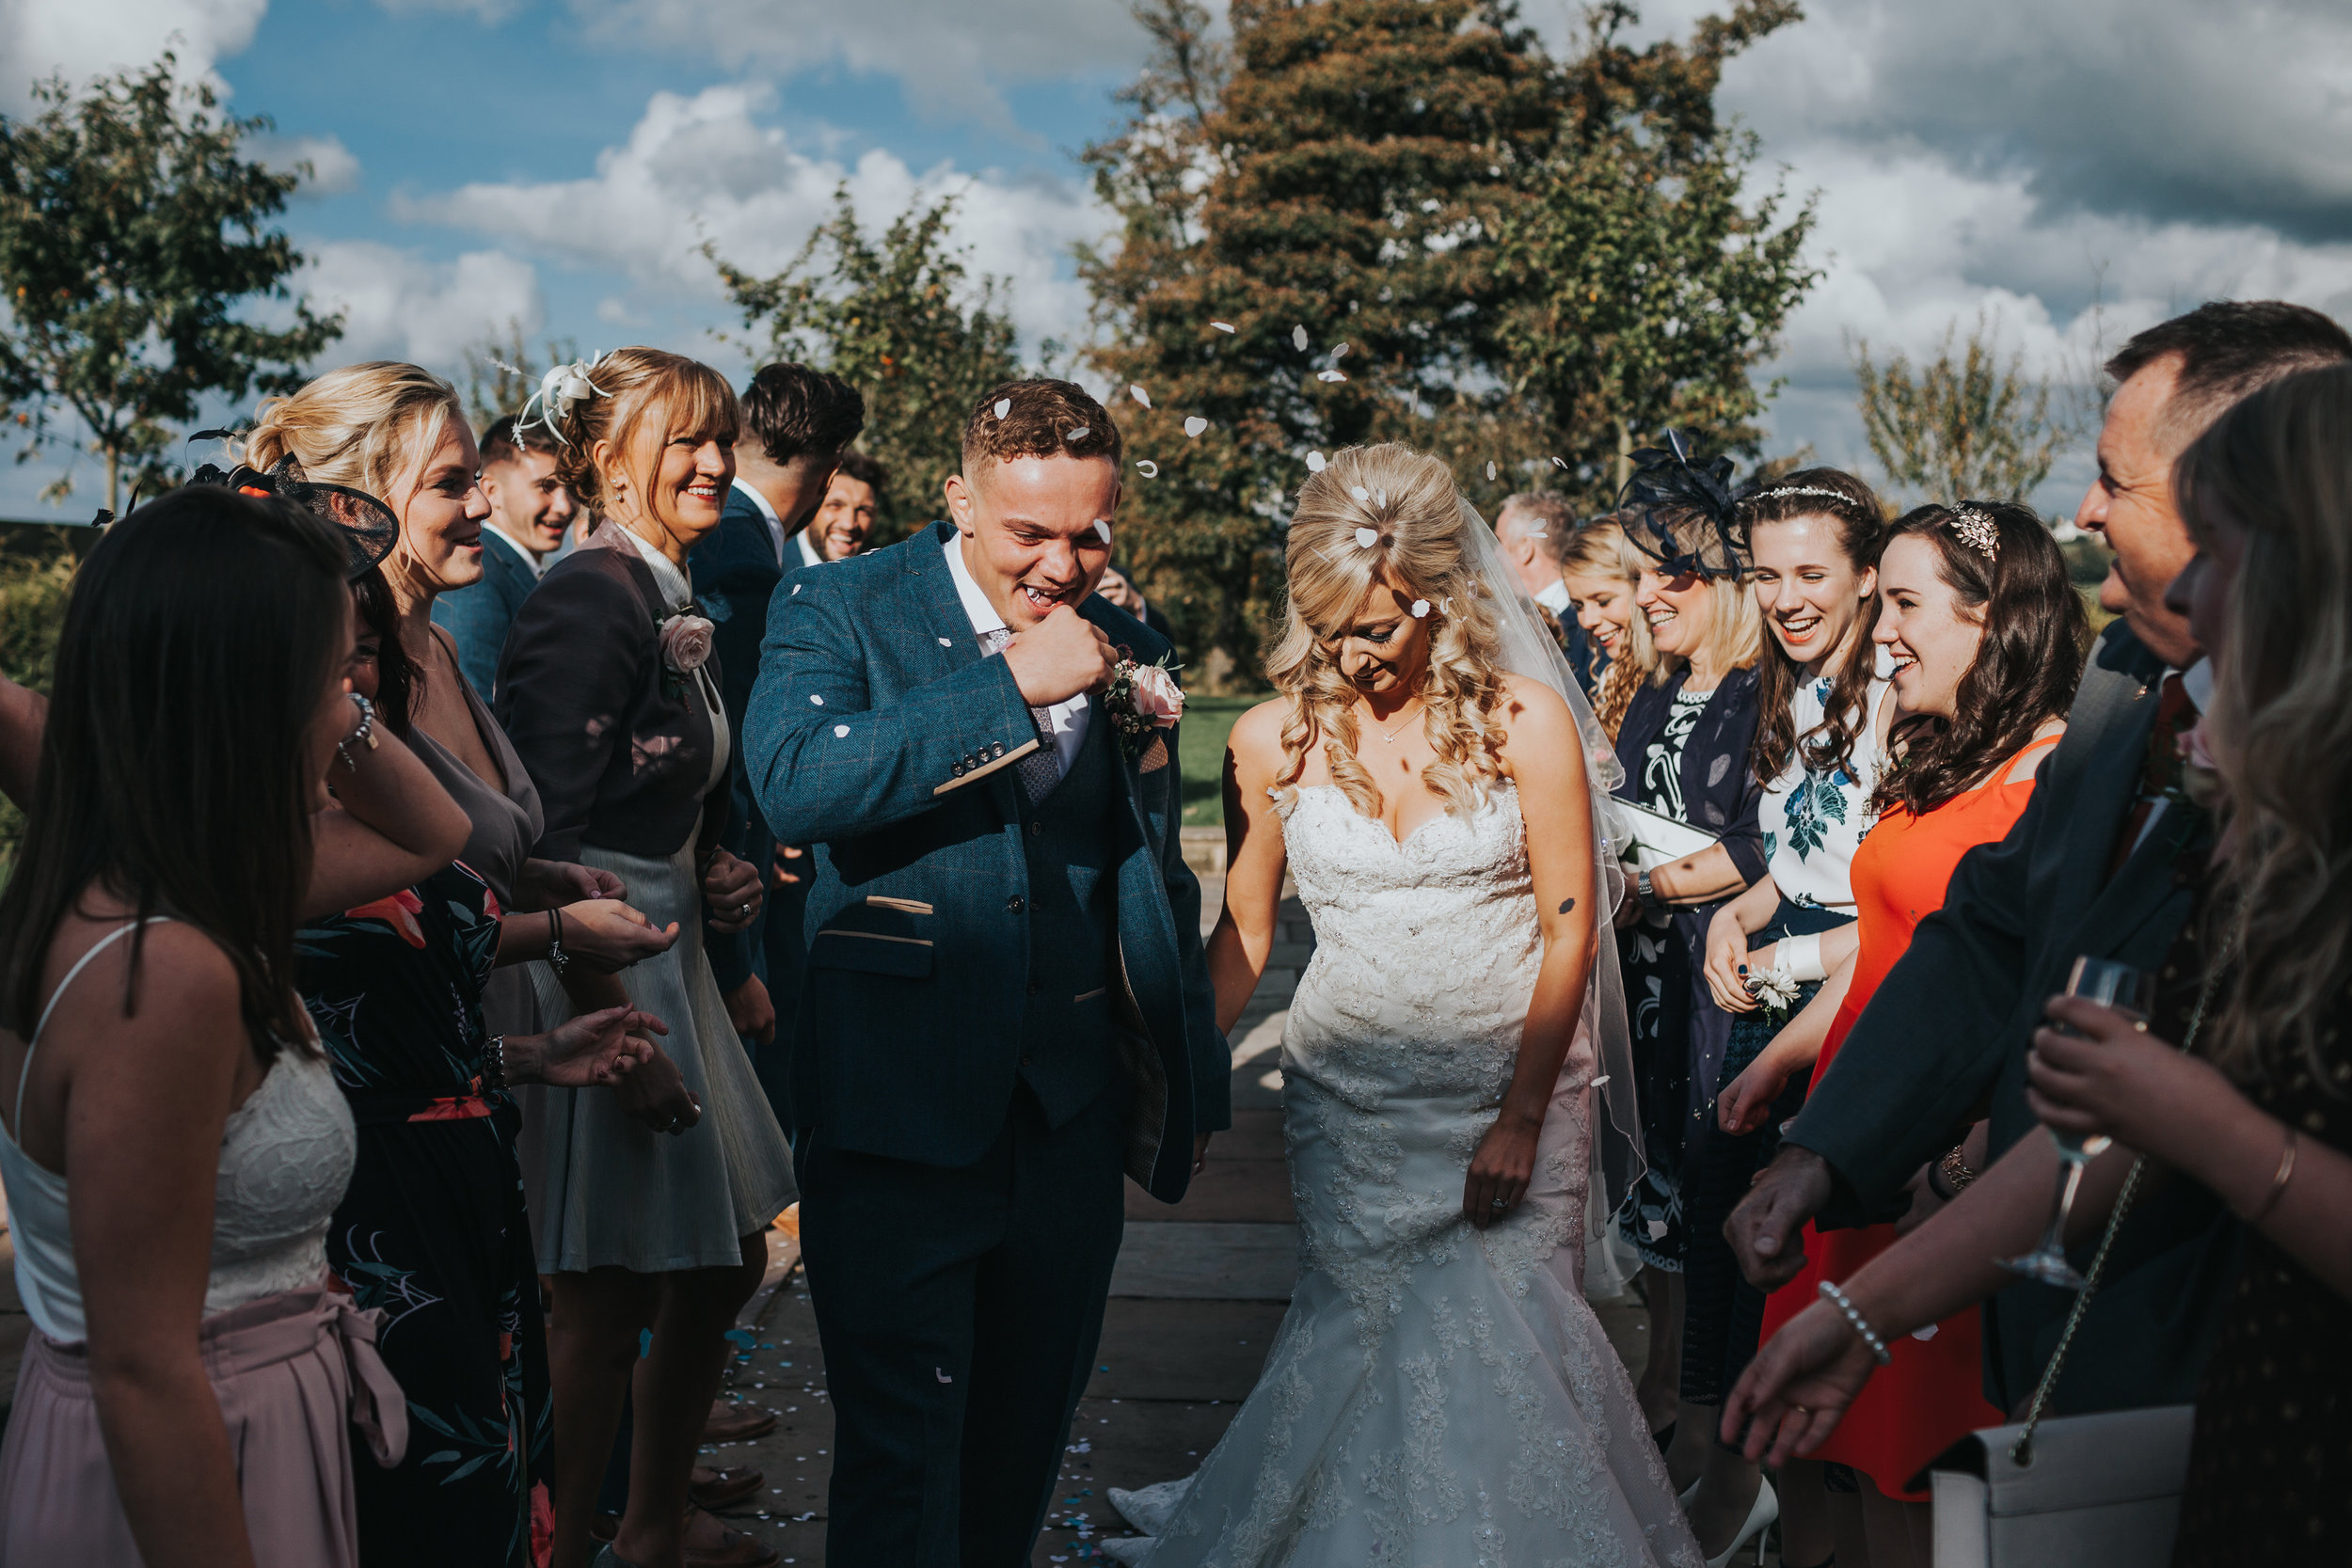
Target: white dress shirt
<point>775,523</point>
<point>538,567</point>
<point>1068,720</point>
<point>677,589</point>
<point>808,551</point>
<point>1554,598</point>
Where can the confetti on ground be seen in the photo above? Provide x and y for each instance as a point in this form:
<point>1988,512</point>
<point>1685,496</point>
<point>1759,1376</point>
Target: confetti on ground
<point>1140,395</point>
<point>1148,468</point>
<point>1222,326</point>
<point>1314,462</point>
<point>1298,338</point>
<point>1195,425</point>
<point>1420,611</point>
<point>1103,527</point>
<point>1366,538</point>
<point>1004,407</point>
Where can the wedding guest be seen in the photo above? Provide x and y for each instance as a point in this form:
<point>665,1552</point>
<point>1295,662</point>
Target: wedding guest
<point>529,509</point>
<point>2103,861</point>
<point>844,525</point>
<point>1602,569</point>
<point>1118,589</point>
<point>189,1394</point>
<point>1683,745</point>
<point>1820,746</point>
<point>433,1227</point>
<point>1534,528</point>
<point>609,692</point>
<point>797,424</point>
<point>2253,1111</point>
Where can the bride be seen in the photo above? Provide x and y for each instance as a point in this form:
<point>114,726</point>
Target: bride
<point>1439,1393</point>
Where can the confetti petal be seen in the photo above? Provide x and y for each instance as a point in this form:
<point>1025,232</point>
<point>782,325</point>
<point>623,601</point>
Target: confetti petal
<point>946,642</point>
<point>1557,464</point>
<point>1315,463</point>
<point>1102,528</point>
<point>818,698</point>
<point>1331,376</point>
<point>1490,471</point>
<point>1004,407</point>
<point>1222,326</point>
<point>1079,433</point>
<point>1380,498</point>
<point>1599,1081</point>
<point>1366,537</point>
<point>1195,425</point>
<point>1420,610</point>
<point>1148,468</point>
<point>841,732</point>
<point>1339,353</point>
<point>1299,338</point>
<point>1140,395</point>
<point>1360,492</point>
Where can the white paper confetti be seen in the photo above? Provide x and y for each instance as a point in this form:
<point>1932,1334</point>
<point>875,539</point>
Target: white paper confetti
<point>1314,462</point>
<point>1923,1334</point>
<point>1299,338</point>
<point>841,732</point>
<point>1599,1081</point>
<point>1360,492</point>
<point>1140,395</point>
<point>1331,376</point>
<point>1557,464</point>
<point>1490,472</point>
<point>1366,537</point>
<point>818,698</point>
<point>1339,353</point>
<point>1420,610</point>
<point>1222,326</point>
<point>1148,468</point>
<point>946,642</point>
<point>796,588</point>
<point>1102,528</point>
<point>1004,407</point>
<point>1195,425</point>
<point>1079,433</point>
<point>1380,498</point>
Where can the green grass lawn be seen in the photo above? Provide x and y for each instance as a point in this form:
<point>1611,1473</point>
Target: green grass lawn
<point>1200,754</point>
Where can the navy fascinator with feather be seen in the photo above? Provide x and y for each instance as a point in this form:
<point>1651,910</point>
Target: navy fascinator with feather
<point>1669,486</point>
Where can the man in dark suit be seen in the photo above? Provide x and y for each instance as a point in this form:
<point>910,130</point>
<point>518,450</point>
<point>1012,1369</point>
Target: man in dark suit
<point>796,423</point>
<point>2102,862</point>
<point>1007,1003</point>
<point>529,509</point>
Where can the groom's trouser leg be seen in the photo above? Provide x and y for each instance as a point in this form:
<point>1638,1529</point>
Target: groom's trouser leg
<point>1037,1322</point>
<point>989,1277</point>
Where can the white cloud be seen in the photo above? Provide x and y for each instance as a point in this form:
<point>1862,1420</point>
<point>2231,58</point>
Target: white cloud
<point>334,169</point>
<point>398,306</point>
<point>81,38</point>
<point>949,58</point>
<point>702,167</point>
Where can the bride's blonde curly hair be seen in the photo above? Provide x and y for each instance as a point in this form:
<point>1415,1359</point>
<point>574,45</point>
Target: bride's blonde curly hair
<point>1374,513</point>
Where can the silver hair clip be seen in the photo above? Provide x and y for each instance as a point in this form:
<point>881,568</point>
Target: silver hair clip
<point>1781,492</point>
<point>1976,530</point>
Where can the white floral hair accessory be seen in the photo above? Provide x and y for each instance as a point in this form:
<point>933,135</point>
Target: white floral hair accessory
<point>1976,530</point>
<point>562,390</point>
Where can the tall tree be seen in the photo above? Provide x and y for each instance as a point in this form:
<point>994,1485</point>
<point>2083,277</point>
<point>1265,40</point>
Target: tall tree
<point>1650,288</point>
<point>133,241</point>
<point>1976,426</point>
<point>900,317</point>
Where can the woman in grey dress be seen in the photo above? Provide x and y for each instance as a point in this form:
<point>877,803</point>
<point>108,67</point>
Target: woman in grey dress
<point>606,691</point>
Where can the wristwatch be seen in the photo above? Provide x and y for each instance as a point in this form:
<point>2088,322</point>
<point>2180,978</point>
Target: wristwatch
<point>1642,891</point>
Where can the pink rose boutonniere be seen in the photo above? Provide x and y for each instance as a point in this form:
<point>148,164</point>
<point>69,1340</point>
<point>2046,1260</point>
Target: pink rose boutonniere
<point>684,640</point>
<point>1143,700</point>
<point>2201,777</point>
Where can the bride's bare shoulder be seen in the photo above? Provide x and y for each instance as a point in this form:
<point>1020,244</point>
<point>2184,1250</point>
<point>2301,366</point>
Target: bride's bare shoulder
<point>1256,740</point>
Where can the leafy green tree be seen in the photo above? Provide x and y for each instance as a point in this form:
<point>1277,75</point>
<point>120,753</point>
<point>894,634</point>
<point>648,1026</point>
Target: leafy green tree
<point>1975,426</point>
<point>134,239</point>
<point>900,317</point>
<point>502,372</point>
<point>1650,289</point>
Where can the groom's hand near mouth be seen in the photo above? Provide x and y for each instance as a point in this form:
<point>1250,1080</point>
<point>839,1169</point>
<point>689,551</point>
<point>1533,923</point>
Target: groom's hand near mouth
<point>1058,657</point>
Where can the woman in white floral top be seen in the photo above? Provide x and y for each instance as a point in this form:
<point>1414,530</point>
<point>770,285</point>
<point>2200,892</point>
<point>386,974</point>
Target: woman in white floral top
<point>1820,744</point>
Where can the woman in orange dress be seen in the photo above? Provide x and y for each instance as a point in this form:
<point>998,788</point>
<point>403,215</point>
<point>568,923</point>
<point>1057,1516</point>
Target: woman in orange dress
<point>1985,635</point>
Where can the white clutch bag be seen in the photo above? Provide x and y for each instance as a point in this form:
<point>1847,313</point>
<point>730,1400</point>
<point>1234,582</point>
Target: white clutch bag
<point>2100,1491</point>
<point>1648,839</point>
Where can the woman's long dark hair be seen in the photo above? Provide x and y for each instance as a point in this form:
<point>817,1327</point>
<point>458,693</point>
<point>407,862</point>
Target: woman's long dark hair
<point>1861,520</point>
<point>201,633</point>
<point>398,681</point>
<point>2025,669</point>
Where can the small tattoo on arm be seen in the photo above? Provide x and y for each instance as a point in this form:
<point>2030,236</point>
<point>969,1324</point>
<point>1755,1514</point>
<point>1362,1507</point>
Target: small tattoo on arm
<point>1566,904</point>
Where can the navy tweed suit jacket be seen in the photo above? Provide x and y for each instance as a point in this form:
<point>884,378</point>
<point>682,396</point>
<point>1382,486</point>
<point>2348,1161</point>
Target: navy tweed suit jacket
<point>734,575</point>
<point>880,736</point>
<point>479,614</point>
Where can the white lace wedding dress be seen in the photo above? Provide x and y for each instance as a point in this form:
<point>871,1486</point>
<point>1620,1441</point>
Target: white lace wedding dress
<point>1438,1395</point>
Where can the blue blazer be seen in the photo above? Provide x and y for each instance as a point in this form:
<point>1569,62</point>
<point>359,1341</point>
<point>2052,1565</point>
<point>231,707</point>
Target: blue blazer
<point>734,574</point>
<point>880,735</point>
<point>479,614</point>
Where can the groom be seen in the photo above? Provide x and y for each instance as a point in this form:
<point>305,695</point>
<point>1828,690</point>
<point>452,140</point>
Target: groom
<point>1006,1006</point>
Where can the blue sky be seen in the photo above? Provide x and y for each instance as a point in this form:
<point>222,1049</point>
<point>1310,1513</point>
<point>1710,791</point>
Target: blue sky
<point>560,161</point>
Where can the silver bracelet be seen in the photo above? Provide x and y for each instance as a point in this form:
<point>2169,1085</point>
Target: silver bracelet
<point>365,733</point>
<point>1838,1298</point>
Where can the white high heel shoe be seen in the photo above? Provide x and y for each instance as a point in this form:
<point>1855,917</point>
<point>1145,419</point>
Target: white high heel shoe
<point>1760,1517</point>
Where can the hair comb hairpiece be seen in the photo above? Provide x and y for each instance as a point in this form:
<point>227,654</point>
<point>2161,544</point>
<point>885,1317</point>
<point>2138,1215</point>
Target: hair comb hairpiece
<point>1668,481</point>
<point>368,525</point>
<point>561,389</point>
<point>1976,529</point>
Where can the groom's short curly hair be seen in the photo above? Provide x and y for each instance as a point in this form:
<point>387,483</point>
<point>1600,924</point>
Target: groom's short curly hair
<point>1041,417</point>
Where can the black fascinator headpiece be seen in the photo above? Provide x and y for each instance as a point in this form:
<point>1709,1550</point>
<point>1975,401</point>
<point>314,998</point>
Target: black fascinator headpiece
<point>1670,486</point>
<point>369,527</point>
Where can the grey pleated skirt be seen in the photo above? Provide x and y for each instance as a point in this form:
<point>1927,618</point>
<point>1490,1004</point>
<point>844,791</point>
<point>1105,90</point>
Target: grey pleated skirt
<point>609,1192</point>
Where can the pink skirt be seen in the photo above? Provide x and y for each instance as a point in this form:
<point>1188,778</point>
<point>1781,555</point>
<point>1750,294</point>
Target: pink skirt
<point>294,1373</point>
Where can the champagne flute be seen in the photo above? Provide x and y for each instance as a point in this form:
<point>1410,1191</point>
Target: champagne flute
<point>2131,993</point>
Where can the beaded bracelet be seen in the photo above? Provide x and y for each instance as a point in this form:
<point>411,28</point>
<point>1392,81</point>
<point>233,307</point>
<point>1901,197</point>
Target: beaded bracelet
<point>1838,1298</point>
<point>365,732</point>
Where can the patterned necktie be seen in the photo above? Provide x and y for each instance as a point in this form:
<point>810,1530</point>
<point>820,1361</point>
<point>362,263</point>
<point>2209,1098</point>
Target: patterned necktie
<point>2161,773</point>
<point>1041,770</point>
